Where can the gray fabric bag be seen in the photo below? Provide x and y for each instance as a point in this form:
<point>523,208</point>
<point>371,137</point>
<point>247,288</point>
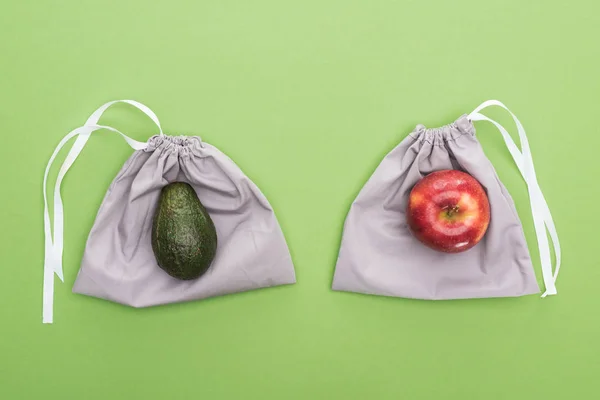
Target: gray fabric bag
<point>380,256</point>
<point>119,264</point>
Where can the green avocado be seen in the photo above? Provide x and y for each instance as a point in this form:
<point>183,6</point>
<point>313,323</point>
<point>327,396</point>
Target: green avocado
<point>184,239</point>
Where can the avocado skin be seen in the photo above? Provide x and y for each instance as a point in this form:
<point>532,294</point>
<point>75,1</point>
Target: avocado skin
<point>184,239</point>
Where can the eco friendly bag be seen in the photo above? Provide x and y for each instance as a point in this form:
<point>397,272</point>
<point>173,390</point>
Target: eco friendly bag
<point>380,256</point>
<point>118,262</point>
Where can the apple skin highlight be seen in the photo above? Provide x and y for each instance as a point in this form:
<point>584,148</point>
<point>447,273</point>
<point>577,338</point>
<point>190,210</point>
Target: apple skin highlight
<point>448,211</point>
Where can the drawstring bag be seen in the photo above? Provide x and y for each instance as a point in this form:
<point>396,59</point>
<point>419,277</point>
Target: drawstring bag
<point>118,261</point>
<point>380,256</point>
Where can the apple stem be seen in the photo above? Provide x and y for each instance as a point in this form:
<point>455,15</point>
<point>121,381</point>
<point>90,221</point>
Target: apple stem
<point>452,210</point>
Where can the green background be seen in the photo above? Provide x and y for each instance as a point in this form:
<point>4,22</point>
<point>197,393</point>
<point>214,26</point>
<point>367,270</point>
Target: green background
<point>306,97</point>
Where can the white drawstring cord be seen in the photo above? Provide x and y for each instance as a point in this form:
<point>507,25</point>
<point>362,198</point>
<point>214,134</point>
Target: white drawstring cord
<point>542,217</point>
<point>53,247</point>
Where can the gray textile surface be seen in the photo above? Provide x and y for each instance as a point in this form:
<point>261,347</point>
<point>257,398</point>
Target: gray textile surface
<point>118,263</point>
<point>379,255</point>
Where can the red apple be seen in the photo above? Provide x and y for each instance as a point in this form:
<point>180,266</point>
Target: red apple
<point>448,211</point>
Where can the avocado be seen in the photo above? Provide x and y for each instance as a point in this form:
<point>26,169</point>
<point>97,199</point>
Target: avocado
<point>184,239</point>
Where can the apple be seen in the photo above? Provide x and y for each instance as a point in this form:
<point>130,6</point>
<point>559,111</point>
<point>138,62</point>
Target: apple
<point>448,211</point>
